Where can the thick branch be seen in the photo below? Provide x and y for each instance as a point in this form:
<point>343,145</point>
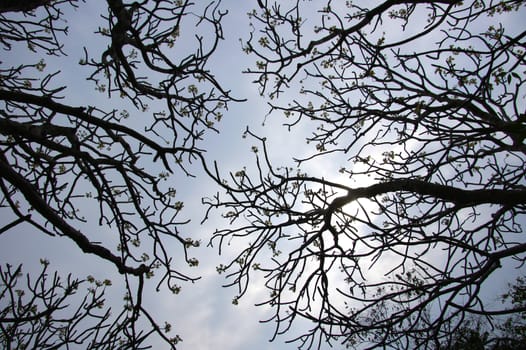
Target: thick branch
<point>443,192</point>
<point>82,114</point>
<point>35,200</point>
<point>21,6</point>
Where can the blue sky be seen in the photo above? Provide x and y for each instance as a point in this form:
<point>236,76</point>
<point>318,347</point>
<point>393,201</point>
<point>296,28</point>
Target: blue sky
<point>203,313</point>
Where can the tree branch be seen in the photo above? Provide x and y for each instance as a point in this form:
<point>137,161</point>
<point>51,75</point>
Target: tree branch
<point>447,193</point>
<point>35,200</point>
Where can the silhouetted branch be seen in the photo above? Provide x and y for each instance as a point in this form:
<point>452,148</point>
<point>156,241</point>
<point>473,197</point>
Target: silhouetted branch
<point>419,104</point>
<point>65,168</point>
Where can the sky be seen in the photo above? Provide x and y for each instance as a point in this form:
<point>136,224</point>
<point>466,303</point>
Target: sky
<point>203,313</point>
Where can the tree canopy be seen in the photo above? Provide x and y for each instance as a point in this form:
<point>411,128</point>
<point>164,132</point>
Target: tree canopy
<point>419,108</point>
<point>510,334</point>
<point>57,158</point>
<point>386,234</point>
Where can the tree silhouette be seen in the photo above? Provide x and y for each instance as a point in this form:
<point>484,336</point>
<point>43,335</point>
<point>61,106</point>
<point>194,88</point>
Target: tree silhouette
<point>422,105</point>
<point>61,162</point>
<point>476,333</point>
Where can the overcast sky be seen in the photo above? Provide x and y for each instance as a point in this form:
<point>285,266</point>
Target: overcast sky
<point>203,314</point>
